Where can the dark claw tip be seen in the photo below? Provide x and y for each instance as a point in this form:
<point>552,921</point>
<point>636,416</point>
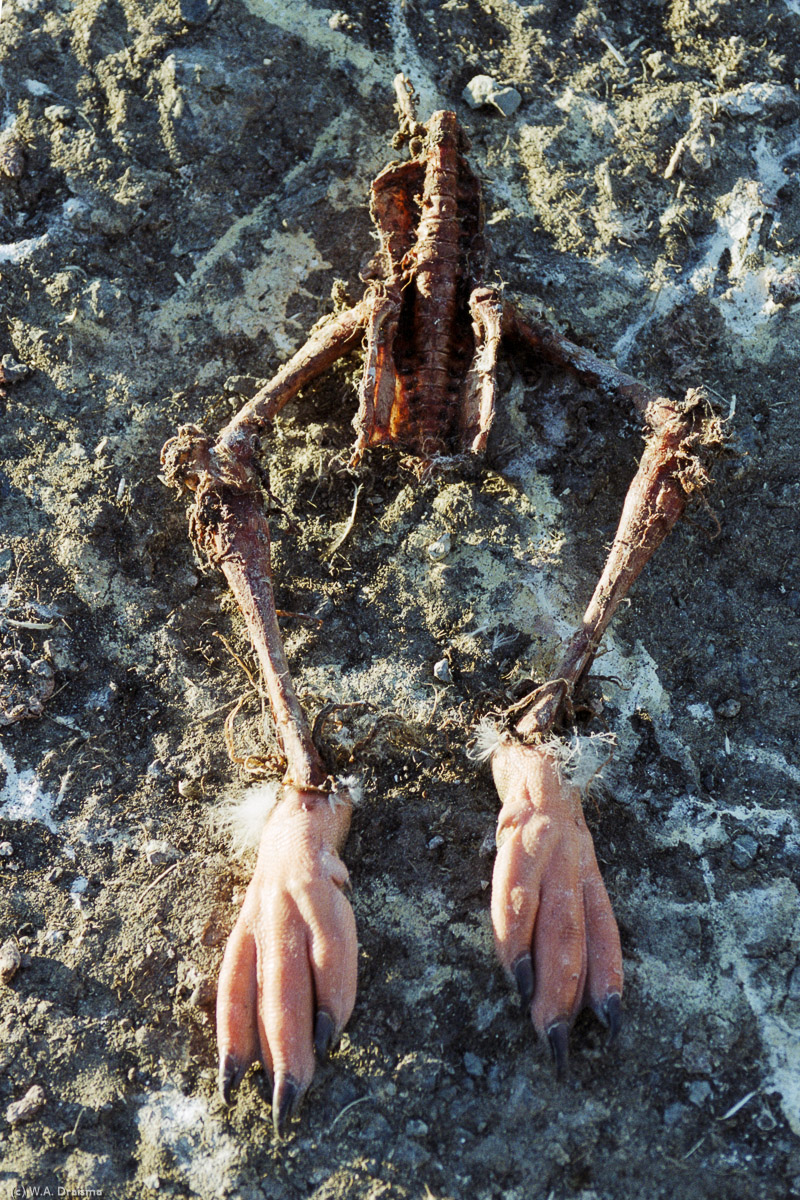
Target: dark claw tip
<point>558,1040</point>
<point>285,1098</point>
<point>523,973</point>
<point>231,1073</point>
<point>324,1030</point>
<point>612,1012</point>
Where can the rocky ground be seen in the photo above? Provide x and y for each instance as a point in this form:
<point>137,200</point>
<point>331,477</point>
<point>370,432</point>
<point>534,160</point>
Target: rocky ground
<point>181,184</point>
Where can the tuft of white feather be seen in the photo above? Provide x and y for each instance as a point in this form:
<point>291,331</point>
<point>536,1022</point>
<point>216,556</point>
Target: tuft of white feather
<point>581,760</point>
<point>485,741</point>
<point>243,817</point>
<point>353,785</point>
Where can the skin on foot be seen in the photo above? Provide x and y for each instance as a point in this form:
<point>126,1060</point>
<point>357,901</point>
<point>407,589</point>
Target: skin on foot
<point>554,928</point>
<point>287,985</point>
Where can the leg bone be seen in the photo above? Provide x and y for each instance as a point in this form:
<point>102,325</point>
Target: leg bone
<point>682,437</point>
<point>288,977</point>
<point>554,926</point>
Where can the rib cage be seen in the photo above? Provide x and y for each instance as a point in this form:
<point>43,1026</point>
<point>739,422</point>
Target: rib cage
<point>420,341</point>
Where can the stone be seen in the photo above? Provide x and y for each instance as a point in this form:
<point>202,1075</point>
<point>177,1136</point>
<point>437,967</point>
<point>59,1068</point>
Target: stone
<point>744,851</point>
<point>441,671</point>
<point>482,90</point>
<point>699,1092</point>
<point>440,549</point>
<point>26,1109</point>
<point>59,114</point>
<point>160,854</point>
<point>409,1155</point>
<point>243,385</point>
<point>10,960</point>
<point>13,371</point>
<point>473,1065</point>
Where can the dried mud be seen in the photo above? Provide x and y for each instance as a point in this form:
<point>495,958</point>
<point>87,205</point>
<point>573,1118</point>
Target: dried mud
<point>181,184</point>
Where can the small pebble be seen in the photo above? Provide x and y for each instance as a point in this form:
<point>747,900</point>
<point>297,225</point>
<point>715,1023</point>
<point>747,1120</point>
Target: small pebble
<point>765,1120</point>
<point>204,995</point>
<point>441,671</point>
<point>786,288</point>
<point>58,114</point>
<point>26,1109</point>
<point>13,371</point>
<point>435,843</point>
<point>160,854</point>
<point>482,90</point>
<point>408,1155</point>
<point>59,654</point>
<point>440,548</point>
<point>699,1092</point>
<point>10,961</point>
<point>191,789</point>
<point>6,850</point>
<point>12,154</point>
<point>416,1129</point>
<point>731,708</point>
<point>242,385</point>
<point>744,851</point>
<point>473,1065</point>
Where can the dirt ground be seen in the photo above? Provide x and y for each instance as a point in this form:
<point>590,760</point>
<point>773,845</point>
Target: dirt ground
<point>181,184</point>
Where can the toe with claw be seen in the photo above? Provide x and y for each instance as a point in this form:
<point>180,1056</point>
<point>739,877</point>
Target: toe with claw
<point>554,928</point>
<point>288,981</point>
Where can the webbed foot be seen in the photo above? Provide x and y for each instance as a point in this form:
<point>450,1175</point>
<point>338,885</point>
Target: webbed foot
<point>554,928</point>
<point>288,980</point>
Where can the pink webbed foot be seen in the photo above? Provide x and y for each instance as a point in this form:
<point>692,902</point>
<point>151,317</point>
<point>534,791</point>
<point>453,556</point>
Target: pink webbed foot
<point>288,980</point>
<point>554,928</point>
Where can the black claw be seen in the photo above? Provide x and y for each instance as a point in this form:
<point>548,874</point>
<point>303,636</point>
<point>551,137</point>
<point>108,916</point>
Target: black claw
<point>523,973</point>
<point>285,1099</point>
<point>609,1014</point>
<point>613,1013</point>
<point>324,1030</point>
<point>558,1039</point>
<point>263,1079</point>
<point>231,1074</point>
